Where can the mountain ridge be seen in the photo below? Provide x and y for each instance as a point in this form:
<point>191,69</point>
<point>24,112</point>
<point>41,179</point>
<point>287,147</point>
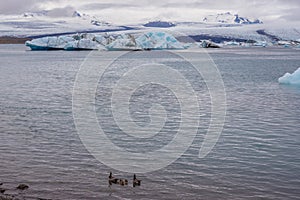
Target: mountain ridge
<point>228,18</point>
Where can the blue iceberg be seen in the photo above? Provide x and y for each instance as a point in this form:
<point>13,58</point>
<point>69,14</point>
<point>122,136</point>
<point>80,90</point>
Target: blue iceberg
<point>123,42</point>
<point>83,44</point>
<point>158,40</point>
<point>49,43</point>
<point>126,41</point>
<point>291,79</point>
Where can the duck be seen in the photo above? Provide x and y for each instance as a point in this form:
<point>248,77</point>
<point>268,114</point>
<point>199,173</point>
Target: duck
<point>22,187</point>
<point>112,180</point>
<point>136,182</point>
<point>123,182</point>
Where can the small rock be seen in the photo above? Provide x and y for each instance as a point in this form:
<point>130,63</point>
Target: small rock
<point>1,183</point>
<point>2,190</point>
<point>23,187</point>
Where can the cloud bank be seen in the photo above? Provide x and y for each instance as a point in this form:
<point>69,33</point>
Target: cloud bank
<point>176,10</point>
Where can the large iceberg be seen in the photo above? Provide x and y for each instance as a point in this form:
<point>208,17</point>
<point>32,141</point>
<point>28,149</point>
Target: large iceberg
<point>293,79</point>
<point>143,41</point>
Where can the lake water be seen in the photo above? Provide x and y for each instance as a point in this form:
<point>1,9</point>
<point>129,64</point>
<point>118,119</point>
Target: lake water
<point>256,156</point>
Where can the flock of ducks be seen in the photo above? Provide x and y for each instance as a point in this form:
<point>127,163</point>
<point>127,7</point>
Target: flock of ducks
<point>123,182</point>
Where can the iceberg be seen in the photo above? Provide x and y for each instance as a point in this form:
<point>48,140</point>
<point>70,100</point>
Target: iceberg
<point>291,79</point>
<point>158,41</point>
<point>231,43</point>
<point>146,41</point>
<point>83,44</point>
<point>75,42</point>
<point>260,44</point>
<point>104,39</point>
<point>125,41</point>
<point>49,43</point>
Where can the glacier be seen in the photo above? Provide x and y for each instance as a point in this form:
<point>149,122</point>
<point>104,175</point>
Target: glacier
<point>290,79</point>
<point>125,41</point>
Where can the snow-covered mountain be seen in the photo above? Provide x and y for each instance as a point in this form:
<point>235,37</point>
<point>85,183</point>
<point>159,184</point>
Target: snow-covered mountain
<point>45,22</point>
<point>228,18</point>
<point>92,19</point>
<point>81,16</point>
<point>35,14</point>
<point>220,27</point>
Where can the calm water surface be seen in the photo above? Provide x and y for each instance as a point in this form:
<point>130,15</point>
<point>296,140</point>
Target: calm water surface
<point>256,157</point>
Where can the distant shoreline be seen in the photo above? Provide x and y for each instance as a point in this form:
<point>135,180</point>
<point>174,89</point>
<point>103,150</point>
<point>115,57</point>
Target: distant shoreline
<point>13,40</point>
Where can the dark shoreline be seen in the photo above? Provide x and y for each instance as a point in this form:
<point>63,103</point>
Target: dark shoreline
<point>13,40</point>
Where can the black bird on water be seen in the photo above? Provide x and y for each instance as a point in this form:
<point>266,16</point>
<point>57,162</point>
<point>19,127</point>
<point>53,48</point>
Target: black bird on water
<point>136,182</point>
<point>112,180</point>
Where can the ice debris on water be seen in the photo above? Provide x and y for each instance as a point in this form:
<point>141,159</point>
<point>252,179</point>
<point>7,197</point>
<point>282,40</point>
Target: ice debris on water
<point>291,79</point>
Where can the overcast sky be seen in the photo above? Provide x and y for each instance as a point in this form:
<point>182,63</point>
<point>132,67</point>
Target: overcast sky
<point>130,11</point>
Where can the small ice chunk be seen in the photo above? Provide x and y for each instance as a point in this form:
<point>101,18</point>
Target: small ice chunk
<point>291,79</point>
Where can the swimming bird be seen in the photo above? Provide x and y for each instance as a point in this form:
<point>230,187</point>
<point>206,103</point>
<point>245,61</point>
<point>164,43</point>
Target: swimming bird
<point>22,187</point>
<point>136,182</point>
<point>112,180</point>
<point>123,182</point>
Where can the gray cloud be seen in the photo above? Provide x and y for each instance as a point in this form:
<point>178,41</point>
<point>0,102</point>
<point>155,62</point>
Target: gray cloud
<point>61,12</point>
<point>99,6</point>
<point>292,15</point>
<point>21,6</point>
<point>16,6</point>
<point>267,10</point>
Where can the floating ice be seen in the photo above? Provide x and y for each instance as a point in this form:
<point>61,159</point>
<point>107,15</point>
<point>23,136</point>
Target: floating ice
<point>104,39</point>
<point>146,41</point>
<point>48,43</point>
<point>83,44</point>
<point>75,42</point>
<point>158,40</point>
<point>260,44</point>
<point>293,79</point>
<point>123,42</point>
